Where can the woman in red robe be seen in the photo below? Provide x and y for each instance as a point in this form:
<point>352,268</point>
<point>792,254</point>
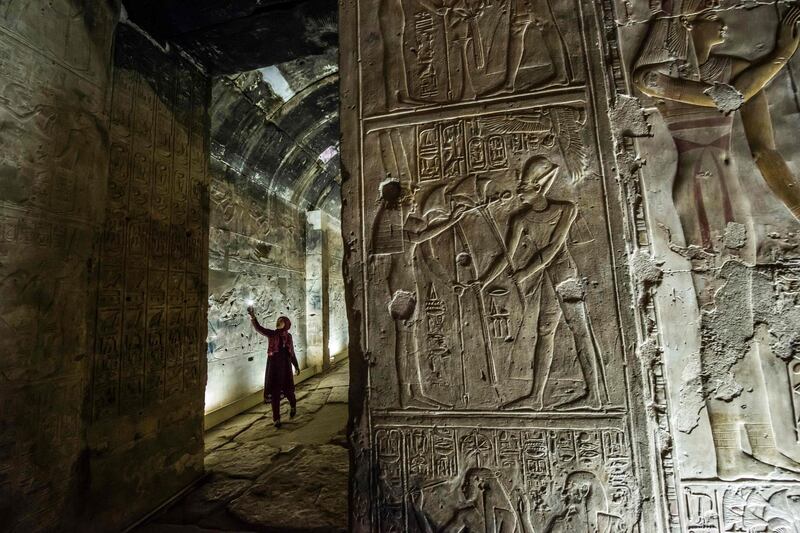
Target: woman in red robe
<point>278,380</point>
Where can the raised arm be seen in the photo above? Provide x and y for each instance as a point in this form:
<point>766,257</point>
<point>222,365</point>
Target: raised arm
<point>258,327</point>
<point>653,83</point>
<point>758,75</point>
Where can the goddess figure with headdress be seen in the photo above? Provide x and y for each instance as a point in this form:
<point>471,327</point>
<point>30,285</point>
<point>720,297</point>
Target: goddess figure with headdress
<point>696,91</point>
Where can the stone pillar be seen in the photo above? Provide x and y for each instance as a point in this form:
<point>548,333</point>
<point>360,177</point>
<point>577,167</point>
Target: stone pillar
<point>483,231</point>
<point>54,78</point>
<point>317,288</point>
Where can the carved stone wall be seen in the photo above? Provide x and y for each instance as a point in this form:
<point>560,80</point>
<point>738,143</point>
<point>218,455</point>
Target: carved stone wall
<point>55,64</point>
<point>148,365</point>
<point>494,383</point>
<point>256,254</point>
<point>713,179</point>
<point>268,178</point>
<point>318,324</point>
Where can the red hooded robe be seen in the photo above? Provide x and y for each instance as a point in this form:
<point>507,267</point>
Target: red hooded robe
<point>278,378</point>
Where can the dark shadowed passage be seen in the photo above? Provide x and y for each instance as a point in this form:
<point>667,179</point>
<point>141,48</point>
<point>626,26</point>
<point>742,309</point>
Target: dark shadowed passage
<point>260,478</point>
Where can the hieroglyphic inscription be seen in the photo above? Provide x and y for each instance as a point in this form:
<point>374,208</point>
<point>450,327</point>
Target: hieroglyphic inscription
<point>741,507</point>
<point>503,479</point>
<point>152,294</point>
<point>54,65</point>
<point>77,35</point>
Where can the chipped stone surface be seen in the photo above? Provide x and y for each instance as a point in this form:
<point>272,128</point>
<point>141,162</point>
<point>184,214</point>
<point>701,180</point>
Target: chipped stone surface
<point>628,117</point>
<point>721,230</point>
<point>647,273</point>
<point>402,305</point>
<point>735,235</point>
<point>726,97</point>
<point>571,290</point>
<point>692,397</point>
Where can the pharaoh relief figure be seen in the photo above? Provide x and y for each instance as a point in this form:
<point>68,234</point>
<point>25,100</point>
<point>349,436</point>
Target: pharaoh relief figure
<point>489,279</point>
<point>696,91</point>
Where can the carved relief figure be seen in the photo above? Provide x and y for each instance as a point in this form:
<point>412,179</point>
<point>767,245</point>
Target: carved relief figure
<point>692,85</point>
<point>512,481</point>
<point>479,267</point>
<point>539,14</point>
<point>743,508</point>
<point>504,276</point>
<point>540,271</point>
<point>456,50</point>
<point>475,500</point>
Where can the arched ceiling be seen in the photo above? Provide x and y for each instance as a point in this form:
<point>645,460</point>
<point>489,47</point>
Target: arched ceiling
<point>274,147</point>
<point>275,99</point>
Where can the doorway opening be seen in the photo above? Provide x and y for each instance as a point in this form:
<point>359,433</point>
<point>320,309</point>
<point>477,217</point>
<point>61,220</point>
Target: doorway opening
<point>275,245</point>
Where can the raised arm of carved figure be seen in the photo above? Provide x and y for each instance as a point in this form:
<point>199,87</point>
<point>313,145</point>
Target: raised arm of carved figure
<point>758,75</point>
<point>548,252</point>
<point>418,231</point>
<point>653,83</point>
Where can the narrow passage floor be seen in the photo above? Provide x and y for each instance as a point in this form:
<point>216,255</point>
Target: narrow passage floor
<point>260,478</point>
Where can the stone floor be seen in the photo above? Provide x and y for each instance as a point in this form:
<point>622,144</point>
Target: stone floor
<point>292,479</point>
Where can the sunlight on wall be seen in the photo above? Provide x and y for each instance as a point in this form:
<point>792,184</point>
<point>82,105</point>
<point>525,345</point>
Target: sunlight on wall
<point>337,344</point>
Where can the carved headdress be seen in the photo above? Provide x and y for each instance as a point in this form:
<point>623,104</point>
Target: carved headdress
<point>668,41</point>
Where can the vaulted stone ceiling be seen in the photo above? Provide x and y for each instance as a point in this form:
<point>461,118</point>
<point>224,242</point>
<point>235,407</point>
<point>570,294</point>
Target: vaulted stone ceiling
<point>280,144</point>
<point>274,112</point>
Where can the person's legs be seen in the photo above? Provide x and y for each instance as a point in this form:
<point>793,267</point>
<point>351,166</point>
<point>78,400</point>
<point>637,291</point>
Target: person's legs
<point>292,403</point>
<point>276,409</point>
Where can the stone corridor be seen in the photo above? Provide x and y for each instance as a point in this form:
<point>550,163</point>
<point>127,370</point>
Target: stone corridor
<point>260,478</point>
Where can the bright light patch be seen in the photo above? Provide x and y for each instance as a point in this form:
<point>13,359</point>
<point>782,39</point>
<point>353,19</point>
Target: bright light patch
<point>274,77</point>
<point>329,153</point>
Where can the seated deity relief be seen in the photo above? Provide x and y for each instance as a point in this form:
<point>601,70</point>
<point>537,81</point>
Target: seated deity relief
<point>507,480</point>
<point>450,51</point>
<point>700,92</point>
<point>745,508</point>
<point>481,242</point>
